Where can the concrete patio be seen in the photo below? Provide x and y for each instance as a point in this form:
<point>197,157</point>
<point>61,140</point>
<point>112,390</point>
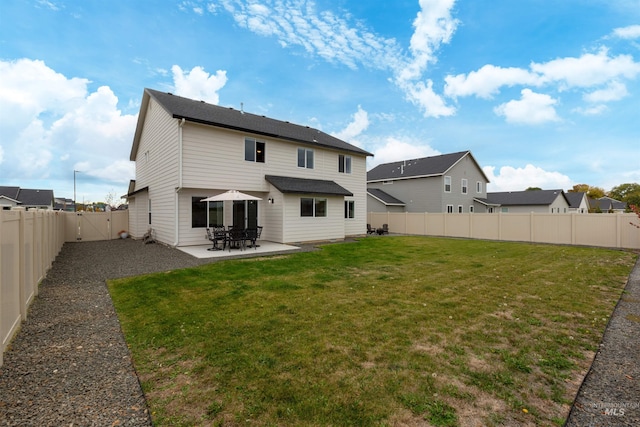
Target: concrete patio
<point>264,248</point>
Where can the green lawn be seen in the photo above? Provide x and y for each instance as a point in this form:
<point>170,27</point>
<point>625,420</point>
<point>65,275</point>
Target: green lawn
<point>383,331</point>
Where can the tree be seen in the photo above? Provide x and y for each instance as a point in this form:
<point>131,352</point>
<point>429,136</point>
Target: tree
<point>533,189</point>
<point>629,193</point>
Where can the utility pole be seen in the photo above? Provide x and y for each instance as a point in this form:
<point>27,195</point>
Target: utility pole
<point>75,205</point>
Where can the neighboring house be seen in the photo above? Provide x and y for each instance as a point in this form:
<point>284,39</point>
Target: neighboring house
<point>312,185</point>
<point>607,204</point>
<point>27,198</point>
<point>62,204</point>
<point>540,201</point>
<point>578,202</point>
<point>446,183</point>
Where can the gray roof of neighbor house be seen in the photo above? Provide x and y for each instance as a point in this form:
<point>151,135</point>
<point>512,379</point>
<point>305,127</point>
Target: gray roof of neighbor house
<point>524,198</point>
<point>36,197</point>
<point>574,198</point>
<point>27,196</point>
<point>418,168</point>
<point>229,118</point>
<point>10,192</point>
<point>607,203</point>
<point>385,197</point>
<point>286,184</point>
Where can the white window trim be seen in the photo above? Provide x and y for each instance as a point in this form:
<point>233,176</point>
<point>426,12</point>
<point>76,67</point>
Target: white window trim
<point>464,185</point>
<point>449,208</point>
<point>447,178</point>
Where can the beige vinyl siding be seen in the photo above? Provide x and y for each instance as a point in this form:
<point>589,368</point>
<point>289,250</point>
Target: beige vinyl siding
<point>299,229</point>
<point>158,169</point>
<point>214,159</point>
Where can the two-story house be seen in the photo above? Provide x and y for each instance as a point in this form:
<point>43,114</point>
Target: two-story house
<point>311,185</point>
<point>447,183</point>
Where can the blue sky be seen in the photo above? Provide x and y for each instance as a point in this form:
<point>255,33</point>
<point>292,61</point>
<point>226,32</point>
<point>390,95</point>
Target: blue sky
<point>544,93</point>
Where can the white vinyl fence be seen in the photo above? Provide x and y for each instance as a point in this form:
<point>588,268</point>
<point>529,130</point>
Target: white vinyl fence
<point>29,243</point>
<point>604,230</point>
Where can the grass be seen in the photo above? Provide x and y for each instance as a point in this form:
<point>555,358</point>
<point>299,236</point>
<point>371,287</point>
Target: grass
<point>383,331</point>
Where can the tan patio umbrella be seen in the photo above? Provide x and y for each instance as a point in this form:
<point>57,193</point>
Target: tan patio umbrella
<point>230,195</point>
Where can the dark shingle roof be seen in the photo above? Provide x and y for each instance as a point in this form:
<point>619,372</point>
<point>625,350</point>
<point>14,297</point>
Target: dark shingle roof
<point>523,198</point>
<point>574,198</point>
<point>229,118</point>
<point>286,184</point>
<point>384,197</point>
<point>606,204</point>
<point>423,167</point>
<point>10,192</point>
<point>31,197</point>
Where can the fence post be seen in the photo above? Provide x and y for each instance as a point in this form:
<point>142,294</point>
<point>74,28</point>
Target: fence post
<point>22,265</point>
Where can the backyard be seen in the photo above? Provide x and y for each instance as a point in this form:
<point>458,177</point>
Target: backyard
<point>382,331</point>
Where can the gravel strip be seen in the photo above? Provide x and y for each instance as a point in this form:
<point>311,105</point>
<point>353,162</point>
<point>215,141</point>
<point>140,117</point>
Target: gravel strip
<point>69,364</point>
<point>610,392</point>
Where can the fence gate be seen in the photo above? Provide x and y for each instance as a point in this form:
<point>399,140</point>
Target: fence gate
<point>95,226</point>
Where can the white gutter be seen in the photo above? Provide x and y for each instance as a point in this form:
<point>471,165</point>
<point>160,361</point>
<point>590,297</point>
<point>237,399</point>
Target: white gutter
<point>179,187</point>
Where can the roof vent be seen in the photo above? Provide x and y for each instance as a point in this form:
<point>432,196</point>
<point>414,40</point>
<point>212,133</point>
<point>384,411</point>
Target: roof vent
<point>242,108</point>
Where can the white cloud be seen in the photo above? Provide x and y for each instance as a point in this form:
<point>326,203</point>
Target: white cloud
<point>334,38</point>
<point>587,70</point>
<point>359,124</point>
<point>519,179</point>
<point>198,84</point>
<point>596,110</point>
<point>433,26</point>
<point>487,81</point>
<point>631,32</point>
<point>533,108</point>
<point>395,150</point>
<point>50,123</point>
<point>614,91</point>
<point>432,104</point>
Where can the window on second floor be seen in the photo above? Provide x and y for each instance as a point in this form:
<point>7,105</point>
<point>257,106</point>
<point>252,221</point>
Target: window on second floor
<point>465,186</point>
<point>479,187</point>
<point>254,151</point>
<point>344,163</point>
<point>305,158</point>
<point>447,184</point>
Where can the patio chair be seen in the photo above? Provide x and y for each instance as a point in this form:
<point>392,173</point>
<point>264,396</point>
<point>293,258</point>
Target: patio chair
<point>370,230</point>
<point>251,236</point>
<point>385,228</point>
<point>236,239</point>
<point>218,237</point>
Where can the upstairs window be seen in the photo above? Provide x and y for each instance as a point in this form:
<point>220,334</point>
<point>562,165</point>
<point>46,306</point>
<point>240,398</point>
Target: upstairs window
<point>305,158</point>
<point>447,184</point>
<point>344,164</point>
<point>465,186</point>
<point>479,187</point>
<point>254,150</point>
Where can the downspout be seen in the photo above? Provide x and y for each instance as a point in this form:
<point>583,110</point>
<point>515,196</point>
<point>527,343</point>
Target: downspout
<point>179,187</point>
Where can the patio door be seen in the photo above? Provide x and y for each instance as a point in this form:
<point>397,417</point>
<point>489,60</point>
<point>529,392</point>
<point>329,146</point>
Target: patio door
<point>245,213</point>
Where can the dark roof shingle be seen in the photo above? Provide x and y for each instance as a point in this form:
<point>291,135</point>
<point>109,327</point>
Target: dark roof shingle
<point>425,166</point>
<point>385,197</point>
<point>286,184</point>
<point>229,118</point>
<point>524,198</point>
